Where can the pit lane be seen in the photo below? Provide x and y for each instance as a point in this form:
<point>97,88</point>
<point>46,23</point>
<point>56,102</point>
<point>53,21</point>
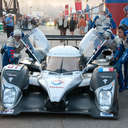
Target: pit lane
<point>33,120</point>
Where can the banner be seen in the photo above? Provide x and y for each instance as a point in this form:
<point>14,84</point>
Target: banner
<point>78,5</point>
<point>87,12</point>
<point>116,1</point>
<point>70,10</point>
<point>116,9</point>
<point>66,10</point>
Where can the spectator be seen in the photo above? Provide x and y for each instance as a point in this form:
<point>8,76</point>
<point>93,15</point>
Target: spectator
<point>81,25</point>
<point>125,19</point>
<point>88,25</point>
<point>72,25</point>
<point>63,25</point>
<point>35,22</point>
<point>9,24</point>
<point>4,22</point>
<point>26,22</point>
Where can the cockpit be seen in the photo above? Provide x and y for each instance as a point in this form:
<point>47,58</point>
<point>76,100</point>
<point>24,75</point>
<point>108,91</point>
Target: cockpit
<point>62,64</point>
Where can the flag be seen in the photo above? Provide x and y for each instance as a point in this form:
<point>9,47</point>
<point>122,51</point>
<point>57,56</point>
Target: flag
<point>66,10</point>
<point>78,5</point>
<point>116,7</point>
<point>87,12</point>
<point>70,10</point>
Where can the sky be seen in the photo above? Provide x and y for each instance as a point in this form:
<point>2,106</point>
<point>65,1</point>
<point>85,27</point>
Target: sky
<point>50,7</point>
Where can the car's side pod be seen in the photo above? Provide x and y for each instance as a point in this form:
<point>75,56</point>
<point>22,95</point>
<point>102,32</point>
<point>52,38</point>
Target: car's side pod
<point>16,75</point>
<point>105,86</point>
<point>103,76</point>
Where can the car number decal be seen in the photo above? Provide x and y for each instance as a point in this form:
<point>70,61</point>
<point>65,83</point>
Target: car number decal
<point>14,67</point>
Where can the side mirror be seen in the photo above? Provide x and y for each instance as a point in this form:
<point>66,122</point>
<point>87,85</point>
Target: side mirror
<point>90,68</point>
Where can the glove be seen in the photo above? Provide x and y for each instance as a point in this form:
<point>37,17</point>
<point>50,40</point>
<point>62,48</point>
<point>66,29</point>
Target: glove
<point>106,10</point>
<point>96,18</point>
<point>110,15</point>
<point>17,55</point>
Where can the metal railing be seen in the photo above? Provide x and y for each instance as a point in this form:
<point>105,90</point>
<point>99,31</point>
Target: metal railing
<point>66,38</point>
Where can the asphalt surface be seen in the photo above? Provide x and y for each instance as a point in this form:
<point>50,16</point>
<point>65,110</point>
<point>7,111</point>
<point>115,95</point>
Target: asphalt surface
<point>33,120</point>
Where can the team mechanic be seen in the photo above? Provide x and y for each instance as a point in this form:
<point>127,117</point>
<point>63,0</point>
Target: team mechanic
<point>104,20</point>
<point>11,50</point>
<point>121,57</point>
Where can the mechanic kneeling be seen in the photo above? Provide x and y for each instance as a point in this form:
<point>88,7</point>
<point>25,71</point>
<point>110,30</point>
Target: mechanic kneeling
<point>11,50</point>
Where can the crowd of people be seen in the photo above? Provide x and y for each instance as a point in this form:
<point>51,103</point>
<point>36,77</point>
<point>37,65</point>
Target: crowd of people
<point>8,24</point>
<point>84,24</point>
<point>24,22</point>
<point>64,23</point>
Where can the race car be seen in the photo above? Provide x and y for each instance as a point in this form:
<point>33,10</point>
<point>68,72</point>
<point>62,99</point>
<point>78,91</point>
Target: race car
<point>62,79</point>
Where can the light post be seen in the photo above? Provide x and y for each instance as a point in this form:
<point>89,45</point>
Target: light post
<point>1,8</point>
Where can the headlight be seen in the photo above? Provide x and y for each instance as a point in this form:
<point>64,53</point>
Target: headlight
<point>105,96</point>
<point>11,94</point>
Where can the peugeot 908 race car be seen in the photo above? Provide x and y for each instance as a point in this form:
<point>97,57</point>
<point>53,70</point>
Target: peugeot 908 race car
<point>62,80</point>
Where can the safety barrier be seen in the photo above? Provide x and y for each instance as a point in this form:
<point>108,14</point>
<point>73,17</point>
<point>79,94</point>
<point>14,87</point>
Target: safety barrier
<point>65,38</point>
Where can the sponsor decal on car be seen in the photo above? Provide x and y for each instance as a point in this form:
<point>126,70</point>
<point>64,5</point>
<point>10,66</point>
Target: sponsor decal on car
<point>57,82</point>
<point>7,111</point>
<point>105,114</point>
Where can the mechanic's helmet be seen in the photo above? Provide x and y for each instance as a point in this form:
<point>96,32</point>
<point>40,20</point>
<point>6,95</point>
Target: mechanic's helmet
<point>126,9</point>
<point>108,34</point>
<point>102,15</point>
<point>17,32</point>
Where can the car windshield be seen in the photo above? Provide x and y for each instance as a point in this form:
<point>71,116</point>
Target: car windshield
<point>62,64</point>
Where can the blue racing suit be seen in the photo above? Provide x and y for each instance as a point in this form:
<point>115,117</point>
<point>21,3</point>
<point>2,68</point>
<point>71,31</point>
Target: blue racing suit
<point>10,49</point>
<point>8,56</point>
<point>11,52</point>
<point>121,59</point>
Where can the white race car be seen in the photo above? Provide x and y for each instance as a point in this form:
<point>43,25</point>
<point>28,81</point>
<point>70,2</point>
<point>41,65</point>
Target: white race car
<point>63,79</point>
